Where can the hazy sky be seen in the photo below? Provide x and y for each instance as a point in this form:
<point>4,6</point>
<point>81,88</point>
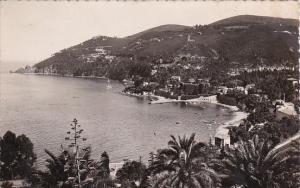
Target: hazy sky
<point>31,31</point>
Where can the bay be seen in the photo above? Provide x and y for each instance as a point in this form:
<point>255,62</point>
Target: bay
<point>42,108</point>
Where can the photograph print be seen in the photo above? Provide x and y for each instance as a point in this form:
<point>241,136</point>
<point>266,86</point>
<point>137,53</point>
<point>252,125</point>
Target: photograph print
<point>149,94</point>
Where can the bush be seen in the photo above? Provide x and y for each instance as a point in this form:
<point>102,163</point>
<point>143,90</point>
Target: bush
<point>187,97</point>
<point>227,100</point>
<point>6,184</point>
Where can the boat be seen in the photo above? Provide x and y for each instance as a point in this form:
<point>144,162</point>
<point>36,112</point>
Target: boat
<point>108,86</point>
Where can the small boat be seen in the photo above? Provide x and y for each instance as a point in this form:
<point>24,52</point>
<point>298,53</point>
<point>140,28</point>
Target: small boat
<point>108,86</point>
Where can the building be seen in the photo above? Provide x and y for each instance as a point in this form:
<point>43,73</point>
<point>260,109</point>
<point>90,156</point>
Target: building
<point>222,89</point>
<point>249,86</point>
<point>285,109</point>
<point>192,80</point>
<point>293,81</point>
<point>176,78</point>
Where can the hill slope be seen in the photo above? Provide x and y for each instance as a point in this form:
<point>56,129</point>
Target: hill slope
<point>240,41</point>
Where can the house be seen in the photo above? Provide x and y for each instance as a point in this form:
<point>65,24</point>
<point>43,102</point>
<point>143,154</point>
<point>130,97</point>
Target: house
<point>222,89</point>
<point>208,98</point>
<point>293,81</point>
<point>176,78</point>
<point>240,88</point>
<point>153,71</point>
<point>249,86</point>
<point>189,39</point>
<point>204,82</point>
<point>145,83</point>
<point>192,80</point>
<point>285,109</point>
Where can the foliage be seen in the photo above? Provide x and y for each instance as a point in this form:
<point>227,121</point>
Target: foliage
<point>272,83</point>
<point>182,165</point>
<point>233,49</point>
<point>141,69</point>
<point>227,100</point>
<point>17,156</point>
<point>278,130</point>
<point>99,173</point>
<point>273,130</point>
<point>132,174</point>
<point>59,168</point>
<point>256,163</point>
<point>259,159</point>
<point>261,114</point>
<point>6,184</point>
<point>73,166</point>
<point>117,71</point>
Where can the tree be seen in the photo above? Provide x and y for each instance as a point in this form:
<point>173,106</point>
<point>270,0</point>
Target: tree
<point>261,114</point>
<point>132,174</point>
<point>6,184</point>
<point>183,165</point>
<point>141,69</point>
<point>26,157</point>
<point>101,173</point>
<point>256,163</point>
<point>58,169</point>
<point>69,168</point>
<point>17,156</point>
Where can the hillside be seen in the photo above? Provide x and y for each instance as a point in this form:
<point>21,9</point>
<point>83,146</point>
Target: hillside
<point>251,19</point>
<point>236,42</point>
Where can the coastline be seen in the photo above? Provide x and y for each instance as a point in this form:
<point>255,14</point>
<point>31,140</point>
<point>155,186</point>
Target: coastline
<point>69,76</point>
<point>222,132</point>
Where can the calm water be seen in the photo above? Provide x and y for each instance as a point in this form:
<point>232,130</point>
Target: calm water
<point>42,108</point>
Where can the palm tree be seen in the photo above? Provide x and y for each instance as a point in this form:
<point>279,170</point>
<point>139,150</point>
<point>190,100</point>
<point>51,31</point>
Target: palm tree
<point>182,165</point>
<point>62,170</point>
<point>257,163</point>
<point>56,173</point>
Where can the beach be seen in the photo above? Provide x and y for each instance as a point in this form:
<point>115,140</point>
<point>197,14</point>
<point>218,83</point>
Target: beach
<point>223,130</point>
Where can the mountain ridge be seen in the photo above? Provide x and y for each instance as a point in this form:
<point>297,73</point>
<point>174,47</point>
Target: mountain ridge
<point>239,41</point>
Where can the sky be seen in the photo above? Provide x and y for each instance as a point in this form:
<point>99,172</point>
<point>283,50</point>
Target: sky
<point>31,31</point>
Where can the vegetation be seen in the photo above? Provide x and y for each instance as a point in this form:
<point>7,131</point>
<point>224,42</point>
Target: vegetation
<point>256,163</point>
<point>274,130</point>
<point>213,47</point>
<point>16,156</point>
<point>259,159</point>
<point>183,165</point>
<point>132,174</point>
<point>256,158</point>
<point>272,83</point>
<point>7,184</point>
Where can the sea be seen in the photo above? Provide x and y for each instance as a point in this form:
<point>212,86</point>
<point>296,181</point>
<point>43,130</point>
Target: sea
<point>127,128</point>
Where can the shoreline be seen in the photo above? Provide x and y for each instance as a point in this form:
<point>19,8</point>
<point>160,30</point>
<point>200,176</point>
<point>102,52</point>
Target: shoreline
<point>69,76</point>
<point>222,132</point>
